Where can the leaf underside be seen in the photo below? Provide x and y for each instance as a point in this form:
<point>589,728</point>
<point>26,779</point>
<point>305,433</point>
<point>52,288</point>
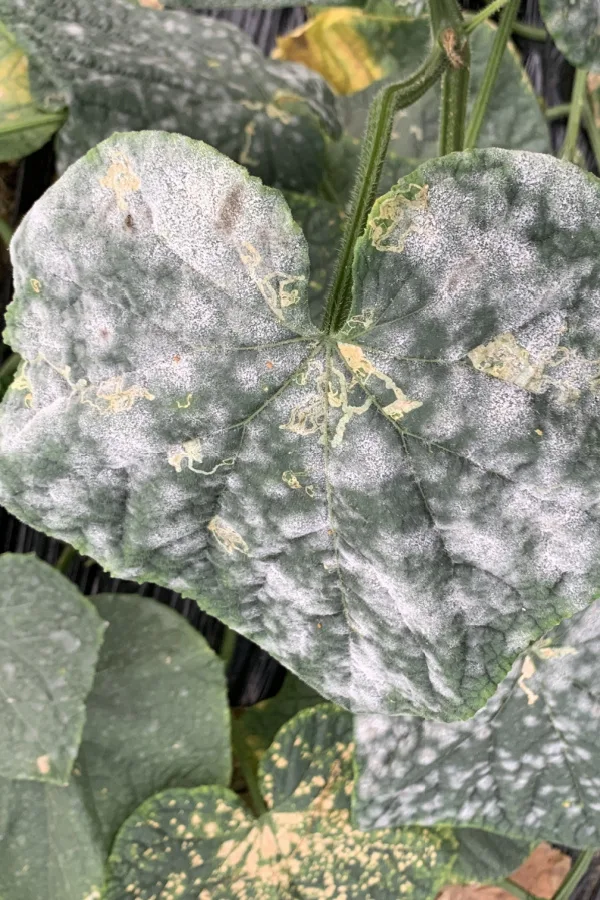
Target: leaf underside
<point>203,843</point>
<point>395,511</point>
<point>122,68</point>
<point>50,640</point>
<point>526,765</point>
<point>157,716</point>
<point>574,26</point>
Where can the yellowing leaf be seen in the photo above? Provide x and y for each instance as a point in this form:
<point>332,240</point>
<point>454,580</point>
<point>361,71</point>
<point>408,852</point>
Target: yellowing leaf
<point>351,49</point>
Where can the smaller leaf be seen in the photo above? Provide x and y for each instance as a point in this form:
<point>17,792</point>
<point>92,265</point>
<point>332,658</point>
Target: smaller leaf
<point>50,640</point>
<point>202,843</point>
<point>525,766</point>
<point>157,716</point>
<point>574,26</point>
<point>23,126</point>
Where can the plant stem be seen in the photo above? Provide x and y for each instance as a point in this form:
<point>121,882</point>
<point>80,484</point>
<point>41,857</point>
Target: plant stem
<point>386,104</point>
<point>6,232</point>
<point>578,98</point>
<point>247,764</point>
<point>516,890</point>
<point>491,72</point>
<point>449,29</point>
<point>227,645</point>
<point>589,123</point>
<point>530,32</point>
<point>561,111</point>
<point>64,560</point>
<point>483,15</point>
<point>575,874</point>
<point>7,371</point>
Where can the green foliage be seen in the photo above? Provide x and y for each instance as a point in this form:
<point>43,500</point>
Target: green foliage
<point>575,28</point>
<point>51,637</point>
<point>121,68</point>
<point>23,127</point>
<point>249,469</point>
<point>203,843</point>
<point>527,765</point>
<point>156,717</point>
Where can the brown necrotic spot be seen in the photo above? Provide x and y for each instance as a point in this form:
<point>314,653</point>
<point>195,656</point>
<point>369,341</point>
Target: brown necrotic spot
<point>129,221</point>
<point>230,209</point>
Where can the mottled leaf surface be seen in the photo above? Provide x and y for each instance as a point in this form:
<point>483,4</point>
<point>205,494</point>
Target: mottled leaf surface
<point>49,646</point>
<point>203,843</point>
<point>395,511</point>
<point>122,68</point>
<point>23,126</point>
<point>157,716</point>
<point>351,49</point>
<point>526,765</point>
<point>574,26</point>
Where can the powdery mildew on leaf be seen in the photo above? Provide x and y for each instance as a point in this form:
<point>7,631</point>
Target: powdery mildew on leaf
<point>156,717</point>
<point>122,68</point>
<point>392,520</point>
<point>525,766</point>
<point>203,844</point>
<point>574,26</point>
<point>49,645</point>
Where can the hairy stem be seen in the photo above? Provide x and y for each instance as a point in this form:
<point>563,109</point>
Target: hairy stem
<point>574,876</point>
<point>7,371</point>
<point>247,763</point>
<point>6,232</point>
<point>516,890</point>
<point>561,111</point>
<point>589,123</point>
<point>66,557</point>
<point>227,645</point>
<point>578,98</point>
<point>530,32</point>
<point>491,72</point>
<point>448,29</point>
<point>386,104</point>
<point>483,15</point>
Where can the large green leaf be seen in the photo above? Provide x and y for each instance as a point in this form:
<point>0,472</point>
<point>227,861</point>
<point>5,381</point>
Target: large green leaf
<point>23,127</point>
<point>122,68</point>
<point>396,510</point>
<point>49,646</point>
<point>157,716</point>
<point>574,26</point>
<point>203,843</point>
<point>527,765</point>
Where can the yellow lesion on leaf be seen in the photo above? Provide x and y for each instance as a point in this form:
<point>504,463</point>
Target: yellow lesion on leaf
<point>121,179</point>
<point>110,397</point>
<point>560,367</point>
<point>151,4</point>
<point>292,479</point>
<point>21,382</point>
<point>190,452</point>
<point>396,216</point>
<point>184,404</point>
<point>280,290</point>
<point>227,537</point>
<point>35,285</point>
<point>527,671</point>
<point>363,369</point>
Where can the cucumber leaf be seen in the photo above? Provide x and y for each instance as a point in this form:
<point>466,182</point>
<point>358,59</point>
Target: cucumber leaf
<point>157,716</point>
<point>121,68</point>
<point>525,766</point>
<point>23,126</point>
<point>203,842</point>
<point>50,640</point>
<point>574,26</point>
<point>395,510</point>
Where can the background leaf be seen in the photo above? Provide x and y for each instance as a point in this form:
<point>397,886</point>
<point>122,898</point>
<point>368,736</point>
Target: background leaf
<point>50,640</point>
<point>574,26</point>
<point>157,716</point>
<point>122,68</point>
<point>204,842</point>
<point>525,766</point>
<point>23,127</point>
